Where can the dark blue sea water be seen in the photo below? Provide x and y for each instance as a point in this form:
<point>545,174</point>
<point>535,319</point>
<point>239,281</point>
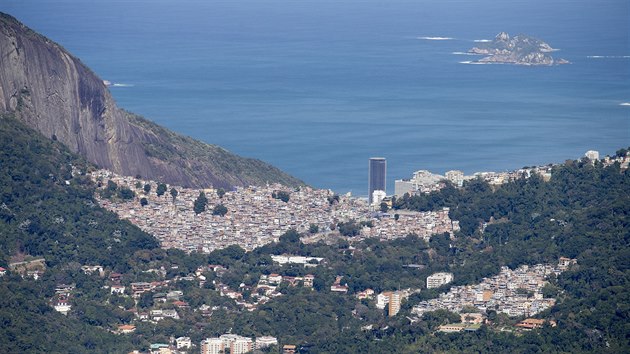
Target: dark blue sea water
<point>317,87</point>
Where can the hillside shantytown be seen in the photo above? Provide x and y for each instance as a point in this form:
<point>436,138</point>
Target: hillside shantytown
<point>254,217</point>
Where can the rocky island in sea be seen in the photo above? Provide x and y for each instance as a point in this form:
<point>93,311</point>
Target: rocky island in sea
<point>518,50</point>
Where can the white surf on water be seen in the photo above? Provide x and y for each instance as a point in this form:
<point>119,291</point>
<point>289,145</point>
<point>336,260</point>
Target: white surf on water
<point>436,38</point>
<point>608,56</point>
<point>465,53</point>
<point>468,62</point>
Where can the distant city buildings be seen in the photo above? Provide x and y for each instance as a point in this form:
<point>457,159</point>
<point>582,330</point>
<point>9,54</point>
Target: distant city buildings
<point>422,181</point>
<point>436,280</point>
<point>592,155</point>
<point>377,176</point>
<point>377,198</point>
<point>456,177</point>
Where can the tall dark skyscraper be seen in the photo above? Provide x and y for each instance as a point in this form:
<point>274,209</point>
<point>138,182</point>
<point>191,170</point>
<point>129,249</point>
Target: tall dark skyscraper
<point>377,175</point>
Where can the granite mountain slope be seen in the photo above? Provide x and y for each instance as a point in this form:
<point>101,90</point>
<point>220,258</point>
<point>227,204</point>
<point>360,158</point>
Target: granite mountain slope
<point>55,93</point>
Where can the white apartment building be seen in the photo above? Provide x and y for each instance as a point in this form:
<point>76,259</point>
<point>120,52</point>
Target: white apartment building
<point>436,280</point>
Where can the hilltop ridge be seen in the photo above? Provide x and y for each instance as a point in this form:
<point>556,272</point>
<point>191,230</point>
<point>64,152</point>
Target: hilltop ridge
<point>53,92</point>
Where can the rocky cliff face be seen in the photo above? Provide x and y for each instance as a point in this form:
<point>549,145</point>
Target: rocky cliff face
<point>53,92</point>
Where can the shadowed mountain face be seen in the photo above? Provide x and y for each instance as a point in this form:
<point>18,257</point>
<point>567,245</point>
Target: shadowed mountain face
<point>56,94</point>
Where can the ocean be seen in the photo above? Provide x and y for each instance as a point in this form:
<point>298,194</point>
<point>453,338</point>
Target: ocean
<point>317,87</point>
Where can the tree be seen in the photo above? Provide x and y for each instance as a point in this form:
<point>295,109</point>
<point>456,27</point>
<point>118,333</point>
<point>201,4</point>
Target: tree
<point>291,236</point>
<point>126,193</point>
<point>111,186</point>
<point>396,217</point>
<point>349,228</point>
<point>313,229</point>
<point>174,194</point>
<point>220,210</point>
<point>144,202</point>
<point>147,188</point>
<point>384,207</point>
<point>161,189</point>
<point>282,195</point>
<point>334,199</point>
<point>436,318</point>
<point>221,193</point>
<point>200,203</point>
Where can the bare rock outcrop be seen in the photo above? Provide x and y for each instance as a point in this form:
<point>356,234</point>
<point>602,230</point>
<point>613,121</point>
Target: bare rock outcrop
<point>518,50</point>
<point>53,92</point>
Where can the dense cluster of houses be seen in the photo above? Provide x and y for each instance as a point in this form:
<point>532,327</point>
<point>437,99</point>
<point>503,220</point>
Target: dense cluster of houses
<point>513,292</point>
<point>255,216</point>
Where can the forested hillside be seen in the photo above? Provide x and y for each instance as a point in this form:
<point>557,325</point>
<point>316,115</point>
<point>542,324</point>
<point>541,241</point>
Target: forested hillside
<point>47,210</point>
<point>47,206</point>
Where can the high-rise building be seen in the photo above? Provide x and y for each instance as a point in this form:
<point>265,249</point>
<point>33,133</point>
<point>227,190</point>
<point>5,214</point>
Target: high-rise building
<point>394,303</point>
<point>241,345</point>
<point>592,155</point>
<point>212,346</point>
<point>377,176</point>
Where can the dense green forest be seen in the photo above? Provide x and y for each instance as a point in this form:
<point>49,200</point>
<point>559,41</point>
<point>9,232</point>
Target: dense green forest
<point>43,215</point>
<point>47,210</point>
<point>47,206</point>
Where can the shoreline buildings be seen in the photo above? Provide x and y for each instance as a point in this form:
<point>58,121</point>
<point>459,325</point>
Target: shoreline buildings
<point>377,176</point>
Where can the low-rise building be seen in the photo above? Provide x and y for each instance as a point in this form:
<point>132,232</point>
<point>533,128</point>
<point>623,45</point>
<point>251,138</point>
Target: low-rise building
<point>125,329</point>
<point>564,262</point>
<point>308,280</point>
<point>382,300</point>
<point>140,288</point>
<point>474,318</point>
<point>117,289</point>
<point>438,279</point>
<point>266,341</point>
<point>533,323</point>
<point>89,270</point>
<point>289,349</point>
<point>61,304</point>
<point>365,294</point>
